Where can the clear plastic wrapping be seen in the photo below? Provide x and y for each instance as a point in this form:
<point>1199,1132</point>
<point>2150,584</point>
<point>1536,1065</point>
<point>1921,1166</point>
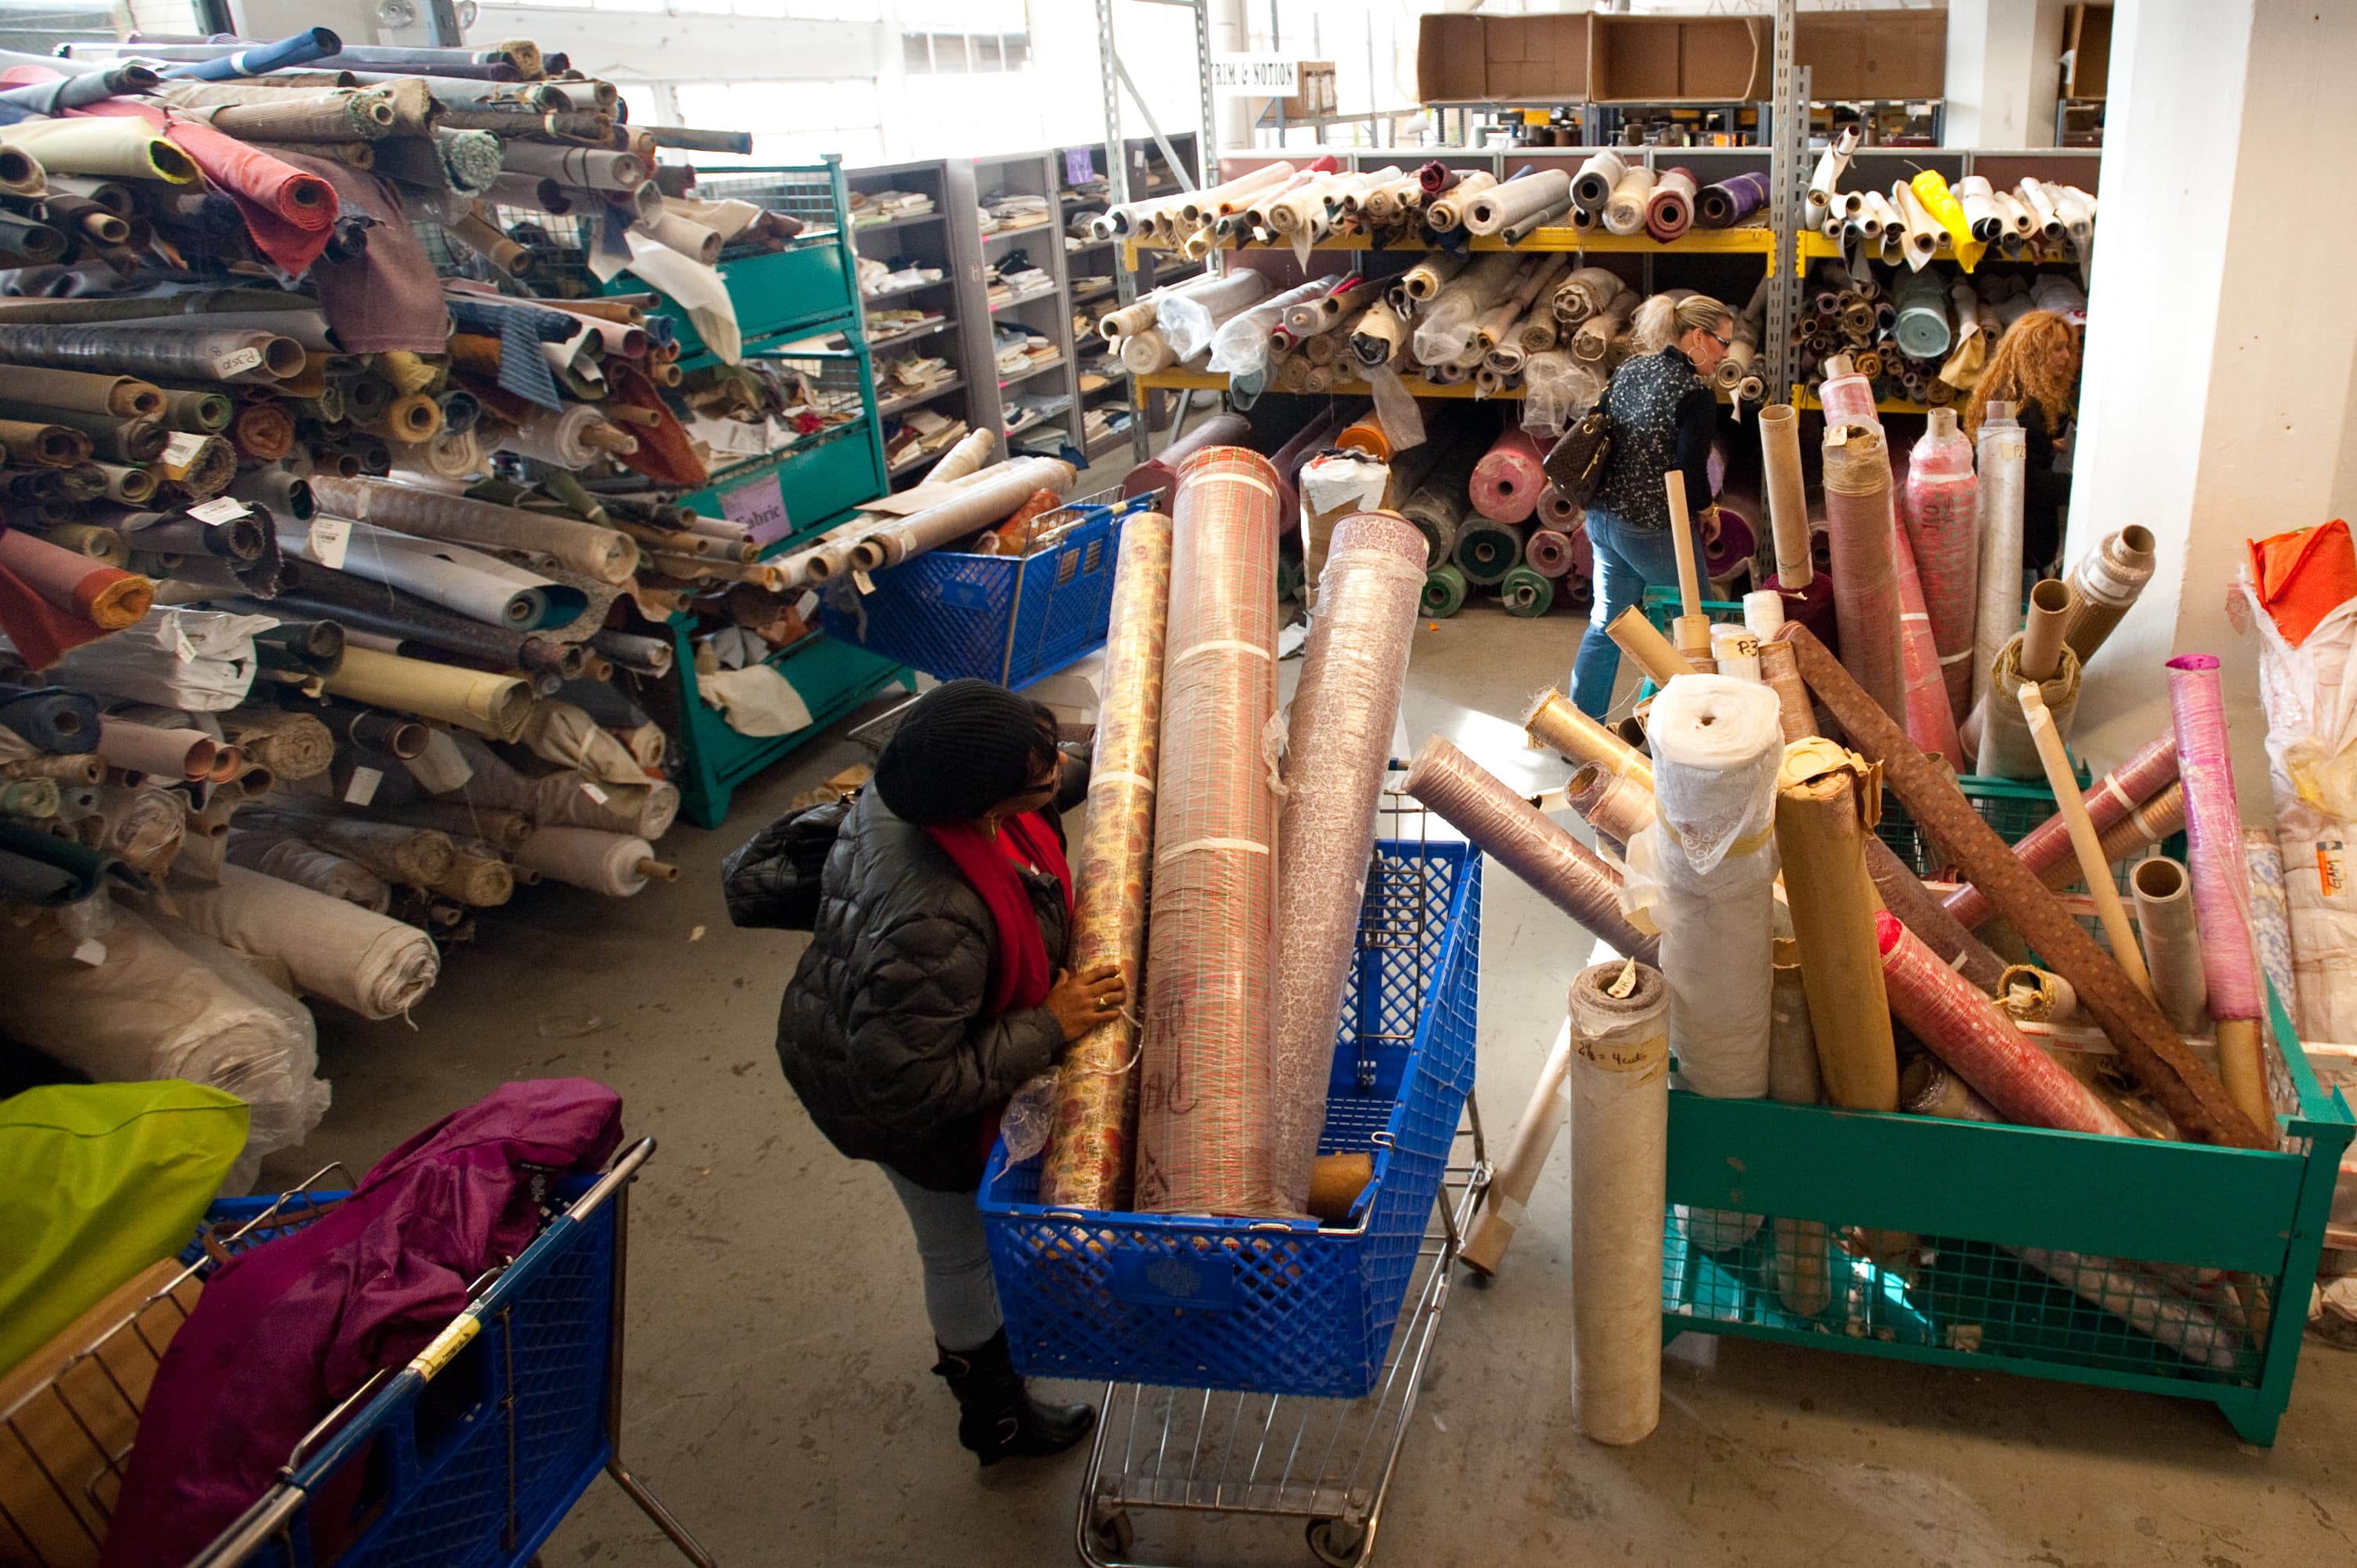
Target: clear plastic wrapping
<point>1941,512</point>
<point>1866,582</point>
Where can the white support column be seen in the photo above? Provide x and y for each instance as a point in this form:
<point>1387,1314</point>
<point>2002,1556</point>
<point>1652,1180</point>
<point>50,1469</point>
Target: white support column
<point>2218,402</point>
<point>2004,67</point>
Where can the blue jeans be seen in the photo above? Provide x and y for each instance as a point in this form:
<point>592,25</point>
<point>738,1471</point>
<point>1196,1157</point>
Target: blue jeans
<point>1628,560</point>
<point>961,1296</point>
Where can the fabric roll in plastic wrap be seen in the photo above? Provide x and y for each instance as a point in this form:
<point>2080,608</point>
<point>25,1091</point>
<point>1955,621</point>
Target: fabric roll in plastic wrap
<point>2221,876</point>
<point>1827,801</point>
<point>600,552</point>
<point>1972,1034</point>
<point>1513,831</point>
<point>1204,1124</point>
<point>2187,1090</point>
<point>1591,185</point>
<point>377,967</point>
<point>1929,718</point>
<point>2172,947</point>
<point>1092,1147</point>
<point>1508,479</point>
<point>2271,914</point>
<point>2046,848</point>
<point>2006,750</point>
<point>1518,1173</point>
<point>1866,581</point>
<point>2106,582</point>
<point>1940,510</point>
<point>1339,735</point>
<point>1620,1152</point>
<point>1703,871</point>
<point>1334,485</point>
<point>2004,456</point>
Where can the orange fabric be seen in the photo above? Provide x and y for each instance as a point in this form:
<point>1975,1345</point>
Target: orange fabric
<point>664,454</point>
<point>1014,535</point>
<point>2304,576</point>
<point>290,214</point>
<point>45,595</point>
<point>1367,435</point>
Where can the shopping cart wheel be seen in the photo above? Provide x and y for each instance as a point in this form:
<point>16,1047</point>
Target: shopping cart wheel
<point>1114,1534</point>
<point>1337,1542</point>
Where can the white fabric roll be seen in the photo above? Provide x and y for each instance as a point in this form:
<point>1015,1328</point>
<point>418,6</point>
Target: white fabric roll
<point>200,661</point>
<point>290,859</point>
<point>1145,352</point>
<point>1510,203</point>
<point>601,862</point>
<point>1704,870</point>
<point>474,584</point>
<point>1625,213</point>
<point>1763,612</point>
<point>1736,650</point>
<point>1620,1147</point>
<point>1188,320</point>
<point>376,966</point>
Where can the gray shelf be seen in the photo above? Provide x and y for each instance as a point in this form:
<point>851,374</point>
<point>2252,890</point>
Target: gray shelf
<point>933,238</point>
<point>913,400</point>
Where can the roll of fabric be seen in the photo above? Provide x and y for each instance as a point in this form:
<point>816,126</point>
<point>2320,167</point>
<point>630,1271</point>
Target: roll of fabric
<point>226,353</point>
<point>1593,185</point>
<point>2222,877</point>
<point>70,588</point>
<point>1620,1146</point>
<point>1511,829</point>
<point>168,754</point>
<point>413,623</point>
<point>1548,552</point>
<point>293,746</point>
<point>2045,850</point>
<point>108,148</point>
<point>1735,651</point>
<point>1827,801</point>
<point>2172,947</point>
<point>495,706</point>
<point>1624,213</point>
<point>979,502</point>
<point>1866,585</point>
<point>1705,872</point>
<point>1929,717</point>
<point>604,553</point>
<point>51,718</point>
<point>2129,1293</point>
<point>2271,916</point>
<point>400,854</point>
<point>473,584</point>
<point>1670,207</point>
<point>1337,739</point>
<point>2036,997</point>
<point>1486,550</point>
<point>1616,808</point>
<point>1928,1089</point>
<point>1188,320</point>
<point>1205,1122</point>
<point>1508,478</point>
<point>1443,591</point>
<point>1941,512</point>
<point>2105,582</point>
<point>1091,1147</point>
<point>618,865</point>
<point>1973,1036</point>
<point>478,881</point>
<point>144,826</point>
<point>290,859</point>
<point>2004,463</point>
<point>2006,750</point>
<point>1516,200</point>
<point>1527,593</point>
<point>1518,1173</point>
<point>1788,499</point>
<point>1730,201</point>
<point>2186,1089</point>
<point>377,967</point>
<point>1333,486</point>
<point>87,391</point>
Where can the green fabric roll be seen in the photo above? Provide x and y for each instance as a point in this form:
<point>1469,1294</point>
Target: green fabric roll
<point>1486,550</point>
<point>1526,592</point>
<point>1443,592</point>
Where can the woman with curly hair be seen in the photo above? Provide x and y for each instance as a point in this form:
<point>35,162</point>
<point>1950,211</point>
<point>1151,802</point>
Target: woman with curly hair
<point>2036,369</point>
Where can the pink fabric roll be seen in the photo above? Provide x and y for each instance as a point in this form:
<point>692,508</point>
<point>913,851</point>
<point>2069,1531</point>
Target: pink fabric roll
<point>1738,539</point>
<point>1160,472</point>
<point>1865,567</point>
<point>2111,797</point>
<point>1558,511</point>
<point>1941,513</point>
<point>2213,836</point>
<point>1848,400</point>
<point>1209,1007</point>
<point>1508,479</point>
<point>1968,1032</point>
<point>1669,211</point>
<point>1547,553</point>
<point>1931,724</point>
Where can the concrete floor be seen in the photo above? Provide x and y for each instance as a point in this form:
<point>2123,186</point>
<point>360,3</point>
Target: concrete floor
<point>777,1396</point>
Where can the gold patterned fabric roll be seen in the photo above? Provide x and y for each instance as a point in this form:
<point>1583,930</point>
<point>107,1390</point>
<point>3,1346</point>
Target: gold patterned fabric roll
<point>1092,1145</point>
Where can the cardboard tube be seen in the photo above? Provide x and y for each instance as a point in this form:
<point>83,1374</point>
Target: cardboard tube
<point>2107,580</point>
<point>1555,721</point>
<point>1543,1119</point>
<point>170,754</point>
<point>1693,627</point>
<point>1788,499</point>
<point>1651,651</point>
<point>2172,947</point>
<point>2187,1090</point>
<point>1620,1076</point>
<point>2084,840</point>
<point>2036,995</point>
<point>1827,801</point>
<point>2050,604</point>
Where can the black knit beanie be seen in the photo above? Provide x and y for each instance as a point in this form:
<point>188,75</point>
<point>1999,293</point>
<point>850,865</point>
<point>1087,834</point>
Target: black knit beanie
<point>962,747</point>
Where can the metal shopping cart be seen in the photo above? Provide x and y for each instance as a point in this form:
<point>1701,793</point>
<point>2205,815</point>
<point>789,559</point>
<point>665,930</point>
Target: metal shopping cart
<point>1269,1368</point>
<point>538,1355</point>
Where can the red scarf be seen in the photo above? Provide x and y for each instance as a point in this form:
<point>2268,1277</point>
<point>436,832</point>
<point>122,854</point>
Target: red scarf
<point>1020,974</point>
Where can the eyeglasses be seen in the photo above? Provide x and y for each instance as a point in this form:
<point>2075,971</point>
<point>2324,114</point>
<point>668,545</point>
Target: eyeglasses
<point>1722,342</point>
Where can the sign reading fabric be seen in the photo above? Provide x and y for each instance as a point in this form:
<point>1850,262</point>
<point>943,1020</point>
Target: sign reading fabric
<point>760,507</point>
<point>1254,76</point>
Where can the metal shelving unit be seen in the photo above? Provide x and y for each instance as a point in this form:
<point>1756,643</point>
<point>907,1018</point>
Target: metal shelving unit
<point>1044,309</point>
<point>931,238</point>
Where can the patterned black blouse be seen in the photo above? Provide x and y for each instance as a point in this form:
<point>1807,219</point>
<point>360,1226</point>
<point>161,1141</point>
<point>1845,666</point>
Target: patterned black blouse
<point>1664,415</point>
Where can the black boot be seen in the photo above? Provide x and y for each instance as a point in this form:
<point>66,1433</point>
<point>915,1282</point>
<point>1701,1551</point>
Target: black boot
<point>998,1419</point>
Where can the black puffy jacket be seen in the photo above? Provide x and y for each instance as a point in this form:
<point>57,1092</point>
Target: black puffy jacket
<point>882,1032</point>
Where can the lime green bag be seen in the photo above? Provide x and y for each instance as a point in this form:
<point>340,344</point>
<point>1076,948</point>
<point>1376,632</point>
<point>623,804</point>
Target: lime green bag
<point>97,1182</point>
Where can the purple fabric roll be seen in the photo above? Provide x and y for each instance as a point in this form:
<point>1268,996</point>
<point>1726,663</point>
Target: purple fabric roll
<point>1730,201</point>
<point>2214,834</point>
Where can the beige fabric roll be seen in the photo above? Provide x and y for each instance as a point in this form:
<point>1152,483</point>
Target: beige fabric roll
<point>127,148</point>
<point>1625,213</point>
<point>375,966</point>
<point>483,881</point>
<point>414,857</point>
<point>989,497</point>
<point>605,553</point>
<point>1827,801</point>
<point>615,864</point>
<point>145,826</point>
<point>1620,1145</point>
<point>292,745</point>
<point>494,705</point>
<point>290,859</point>
<point>568,736</point>
<point>2003,746</point>
<point>1804,1261</point>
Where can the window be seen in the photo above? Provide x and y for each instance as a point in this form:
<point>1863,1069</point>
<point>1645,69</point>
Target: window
<point>961,54</point>
<point>788,119</point>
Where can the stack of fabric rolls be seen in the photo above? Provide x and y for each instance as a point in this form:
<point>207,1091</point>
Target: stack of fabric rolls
<point>1920,335</point>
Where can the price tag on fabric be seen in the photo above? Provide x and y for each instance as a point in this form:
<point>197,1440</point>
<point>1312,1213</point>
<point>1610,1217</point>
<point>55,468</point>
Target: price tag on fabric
<point>362,789</point>
<point>237,361</point>
<point>760,507</point>
<point>186,649</point>
<point>1080,165</point>
<point>330,536</point>
<point>2333,868</point>
<point>180,452</point>
<point>589,787</point>
<point>867,584</point>
<point>220,510</point>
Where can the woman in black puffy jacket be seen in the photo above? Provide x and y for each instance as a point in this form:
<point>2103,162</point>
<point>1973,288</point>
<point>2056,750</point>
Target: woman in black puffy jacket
<point>932,988</point>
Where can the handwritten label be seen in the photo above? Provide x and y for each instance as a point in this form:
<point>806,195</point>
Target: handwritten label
<point>2333,868</point>
<point>589,787</point>
<point>237,361</point>
<point>180,451</point>
<point>220,510</point>
<point>759,507</point>
<point>362,789</point>
<point>1080,165</point>
<point>330,536</point>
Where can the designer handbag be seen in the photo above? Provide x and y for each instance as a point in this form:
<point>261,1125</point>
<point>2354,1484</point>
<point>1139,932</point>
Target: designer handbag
<point>1576,463</point>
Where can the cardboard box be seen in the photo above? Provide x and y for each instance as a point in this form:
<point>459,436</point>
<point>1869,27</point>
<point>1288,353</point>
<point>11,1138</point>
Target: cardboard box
<point>1501,60</point>
<point>1316,95</point>
<point>1665,59</point>
<point>1853,55</point>
<point>2087,35</point>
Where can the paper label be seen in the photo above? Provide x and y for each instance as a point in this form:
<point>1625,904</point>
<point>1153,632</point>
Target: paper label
<point>759,507</point>
<point>329,537</point>
<point>220,510</point>
<point>589,787</point>
<point>2333,868</point>
<point>866,584</point>
<point>91,953</point>
<point>182,646</point>
<point>180,451</point>
<point>807,605</point>
<point>1080,165</point>
<point>237,361</point>
<point>362,789</point>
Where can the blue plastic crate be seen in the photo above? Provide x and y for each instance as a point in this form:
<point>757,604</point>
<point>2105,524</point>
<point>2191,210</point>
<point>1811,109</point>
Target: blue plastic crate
<point>1276,1306</point>
<point>993,617</point>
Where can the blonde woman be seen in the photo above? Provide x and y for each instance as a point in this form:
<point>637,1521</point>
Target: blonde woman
<point>1664,415</point>
<point>2036,369</point>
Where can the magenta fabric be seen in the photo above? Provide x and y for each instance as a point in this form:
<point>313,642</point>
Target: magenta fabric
<point>285,1331</point>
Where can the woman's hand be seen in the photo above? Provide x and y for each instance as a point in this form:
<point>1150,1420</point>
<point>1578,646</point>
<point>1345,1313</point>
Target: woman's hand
<point>1082,1002</point>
